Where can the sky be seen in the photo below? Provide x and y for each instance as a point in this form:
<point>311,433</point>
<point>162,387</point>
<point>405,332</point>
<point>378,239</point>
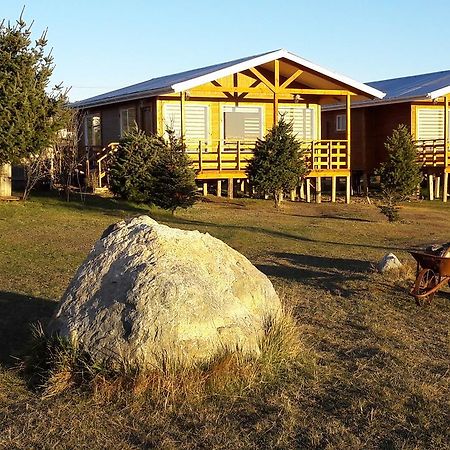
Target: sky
<point>102,45</point>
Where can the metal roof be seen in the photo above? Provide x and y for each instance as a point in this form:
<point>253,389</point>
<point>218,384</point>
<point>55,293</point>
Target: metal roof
<point>428,85</point>
<point>185,80</point>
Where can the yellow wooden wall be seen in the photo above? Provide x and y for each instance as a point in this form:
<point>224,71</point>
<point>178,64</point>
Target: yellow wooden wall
<point>215,100</point>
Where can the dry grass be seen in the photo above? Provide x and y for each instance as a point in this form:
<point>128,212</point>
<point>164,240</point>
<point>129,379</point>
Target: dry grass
<point>373,367</point>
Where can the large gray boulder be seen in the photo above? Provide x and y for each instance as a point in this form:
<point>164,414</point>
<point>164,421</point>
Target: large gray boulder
<point>148,293</point>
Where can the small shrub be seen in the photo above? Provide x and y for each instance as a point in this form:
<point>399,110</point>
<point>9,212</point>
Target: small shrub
<point>173,177</point>
<point>153,170</point>
<point>400,174</point>
<point>131,166</point>
<point>277,165</point>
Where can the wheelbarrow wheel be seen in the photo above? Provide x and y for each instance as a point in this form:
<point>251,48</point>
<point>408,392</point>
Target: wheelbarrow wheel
<point>426,280</point>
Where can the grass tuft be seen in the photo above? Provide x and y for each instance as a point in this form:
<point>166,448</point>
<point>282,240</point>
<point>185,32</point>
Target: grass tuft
<point>59,366</point>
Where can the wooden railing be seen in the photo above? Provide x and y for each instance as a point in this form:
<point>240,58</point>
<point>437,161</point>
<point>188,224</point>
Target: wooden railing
<point>431,153</point>
<point>228,155</point>
<point>96,163</point>
<point>327,155</point>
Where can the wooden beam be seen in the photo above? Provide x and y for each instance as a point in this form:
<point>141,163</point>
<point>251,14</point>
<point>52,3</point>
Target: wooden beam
<point>219,188</point>
<point>333,189</point>
<point>277,86</point>
<point>259,75</point>
<point>445,187</point>
<point>229,90</point>
<point>275,108</point>
<point>446,147</point>
<point>307,91</point>
<point>348,189</point>
<point>318,190</point>
<point>230,188</point>
<point>277,74</point>
<point>349,130</point>
<point>183,114</point>
<point>308,190</point>
<point>293,77</point>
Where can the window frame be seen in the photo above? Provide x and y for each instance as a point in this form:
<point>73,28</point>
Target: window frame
<point>315,132</point>
<point>341,126</point>
<point>88,117</point>
<point>227,108</point>
<point>126,110</point>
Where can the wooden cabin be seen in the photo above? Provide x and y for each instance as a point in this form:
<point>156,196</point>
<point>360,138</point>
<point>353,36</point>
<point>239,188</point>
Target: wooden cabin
<point>421,103</point>
<point>221,110</point>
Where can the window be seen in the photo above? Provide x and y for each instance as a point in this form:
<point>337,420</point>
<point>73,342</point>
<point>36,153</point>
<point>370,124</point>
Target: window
<point>302,119</point>
<point>127,120</point>
<point>242,122</point>
<point>430,123</point>
<point>93,130</point>
<point>196,120</point>
<point>341,122</point>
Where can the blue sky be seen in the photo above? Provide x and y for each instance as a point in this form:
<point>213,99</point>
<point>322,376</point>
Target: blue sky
<point>101,45</point>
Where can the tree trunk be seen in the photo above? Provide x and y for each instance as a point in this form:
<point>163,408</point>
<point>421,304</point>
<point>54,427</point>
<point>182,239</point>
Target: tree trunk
<point>278,197</point>
<point>5,180</point>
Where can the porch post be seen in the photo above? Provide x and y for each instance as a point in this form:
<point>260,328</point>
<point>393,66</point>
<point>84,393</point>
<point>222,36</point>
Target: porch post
<point>446,151</point>
<point>318,189</point>
<point>219,188</point>
<point>5,180</point>
<point>349,135</point>
<point>183,114</point>
<point>275,94</point>
<point>230,187</point>
<point>308,190</point>
<point>333,189</point>
<point>430,186</point>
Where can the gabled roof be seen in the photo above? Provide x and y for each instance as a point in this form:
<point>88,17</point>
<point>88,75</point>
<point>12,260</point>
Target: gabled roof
<point>191,78</point>
<point>428,85</point>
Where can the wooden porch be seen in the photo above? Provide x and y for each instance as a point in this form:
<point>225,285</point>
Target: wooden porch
<point>433,156</point>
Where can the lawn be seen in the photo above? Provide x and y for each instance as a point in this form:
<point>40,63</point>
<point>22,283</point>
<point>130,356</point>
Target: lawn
<point>378,373</point>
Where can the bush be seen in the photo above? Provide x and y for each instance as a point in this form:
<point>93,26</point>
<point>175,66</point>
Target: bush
<point>130,167</point>
<point>153,170</point>
<point>400,175</point>
<point>173,177</point>
<point>277,165</point>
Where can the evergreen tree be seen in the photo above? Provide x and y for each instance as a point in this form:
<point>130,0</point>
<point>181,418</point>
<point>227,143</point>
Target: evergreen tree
<point>153,170</point>
<point>400,174</point>
<point>278,164</point>
<point>174,179</point>
<point>30,113</point>
<point>131,166</point>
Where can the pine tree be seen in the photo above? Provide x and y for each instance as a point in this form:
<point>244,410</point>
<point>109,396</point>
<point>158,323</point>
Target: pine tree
<point>174,179</point>
<point>30,113</point>
<point>131,166</point>
<point>400,174</point>
<point>278,164</point>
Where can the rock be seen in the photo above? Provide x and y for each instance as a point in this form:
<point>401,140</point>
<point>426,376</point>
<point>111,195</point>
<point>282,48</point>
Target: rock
<point>148,293</point>
<point>389,262</point>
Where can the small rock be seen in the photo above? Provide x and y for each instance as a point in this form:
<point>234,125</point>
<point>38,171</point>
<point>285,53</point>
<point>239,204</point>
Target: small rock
<point>389,262</point>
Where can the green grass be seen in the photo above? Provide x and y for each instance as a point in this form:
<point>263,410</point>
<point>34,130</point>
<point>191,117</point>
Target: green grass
<point>378,365</point>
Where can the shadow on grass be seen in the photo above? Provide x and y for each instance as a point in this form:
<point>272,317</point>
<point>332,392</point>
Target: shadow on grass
<point>17,313</point>
<point>329,216</point>
<point>176,220</point>
<point>91,203</point>
<point>329,274</point>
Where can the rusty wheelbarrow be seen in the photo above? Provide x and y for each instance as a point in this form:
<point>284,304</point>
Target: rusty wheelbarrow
<point>433,272</point>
